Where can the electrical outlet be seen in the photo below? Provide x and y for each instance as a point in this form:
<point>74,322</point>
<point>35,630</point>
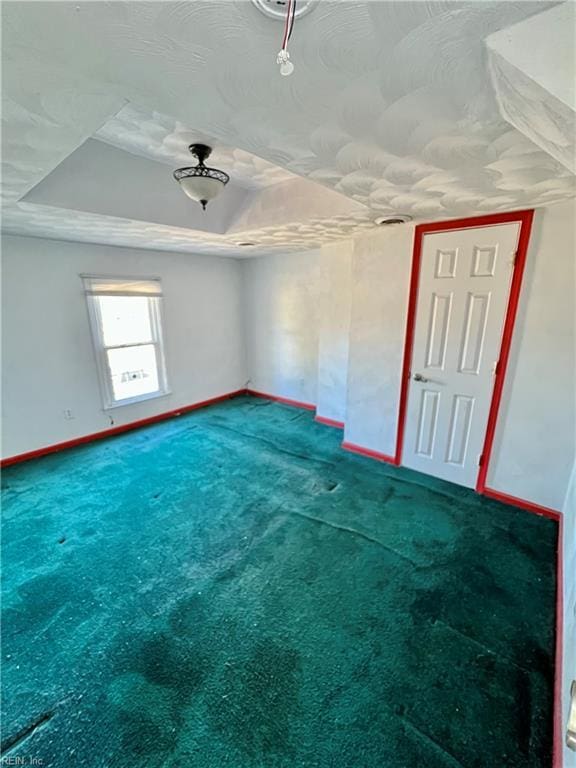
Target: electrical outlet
<point>68,414</point>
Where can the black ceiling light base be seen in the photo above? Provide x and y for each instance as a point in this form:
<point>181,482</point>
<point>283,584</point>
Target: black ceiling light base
<point>201,151</point>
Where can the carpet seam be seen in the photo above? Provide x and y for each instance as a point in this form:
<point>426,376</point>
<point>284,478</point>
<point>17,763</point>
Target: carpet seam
<point>353,531</point>
<point>273,445</point>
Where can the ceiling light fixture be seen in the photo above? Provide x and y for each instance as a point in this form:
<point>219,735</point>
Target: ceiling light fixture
<point>199,182</point>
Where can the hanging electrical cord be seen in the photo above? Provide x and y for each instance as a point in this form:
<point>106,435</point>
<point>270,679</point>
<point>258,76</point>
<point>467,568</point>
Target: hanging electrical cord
<point>292,20</point>
<point>283,58</point>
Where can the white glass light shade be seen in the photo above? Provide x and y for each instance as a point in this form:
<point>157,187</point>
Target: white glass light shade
<point>201,187</point>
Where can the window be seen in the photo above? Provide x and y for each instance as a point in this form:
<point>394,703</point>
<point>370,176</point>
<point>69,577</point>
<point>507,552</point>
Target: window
<point>127,331</point>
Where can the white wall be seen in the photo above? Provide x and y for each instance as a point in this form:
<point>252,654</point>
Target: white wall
<point>535,440</point>
<point>334,329</point>
<point>569,639</point>
<point>281,324</point>
<point>381,276</point>
<point>48,360</point>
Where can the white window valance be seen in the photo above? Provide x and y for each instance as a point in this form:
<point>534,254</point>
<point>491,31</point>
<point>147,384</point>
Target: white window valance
<point>95,285</point>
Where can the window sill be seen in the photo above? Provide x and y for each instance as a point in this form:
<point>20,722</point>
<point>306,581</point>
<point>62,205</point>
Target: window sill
<point>139,399</point>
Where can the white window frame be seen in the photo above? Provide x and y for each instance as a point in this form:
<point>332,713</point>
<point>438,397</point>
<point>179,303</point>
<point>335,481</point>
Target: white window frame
<point>101,349</point>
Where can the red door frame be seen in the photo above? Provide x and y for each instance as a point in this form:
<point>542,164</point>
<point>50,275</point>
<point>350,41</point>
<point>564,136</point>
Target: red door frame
<point>525,219</point>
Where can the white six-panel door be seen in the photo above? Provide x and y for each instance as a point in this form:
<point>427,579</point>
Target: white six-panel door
<point>465,278</point>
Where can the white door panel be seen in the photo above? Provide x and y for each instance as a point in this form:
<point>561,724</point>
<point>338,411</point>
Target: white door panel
<point>464,284</point>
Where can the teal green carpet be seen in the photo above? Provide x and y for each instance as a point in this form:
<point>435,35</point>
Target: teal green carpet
<point>231,588</point>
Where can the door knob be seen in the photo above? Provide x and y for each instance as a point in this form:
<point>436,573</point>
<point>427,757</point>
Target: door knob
<point>419,377</point>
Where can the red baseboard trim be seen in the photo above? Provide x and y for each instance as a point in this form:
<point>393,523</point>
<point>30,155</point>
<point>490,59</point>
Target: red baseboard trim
<point>116,430</point>
<point>329,422</point>
<point>368,453</point>
<point>558,743</point>
<point>283,400</point>
<point>526,505</point>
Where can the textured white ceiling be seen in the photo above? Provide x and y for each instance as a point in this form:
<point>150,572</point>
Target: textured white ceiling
<point>390,104</point>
